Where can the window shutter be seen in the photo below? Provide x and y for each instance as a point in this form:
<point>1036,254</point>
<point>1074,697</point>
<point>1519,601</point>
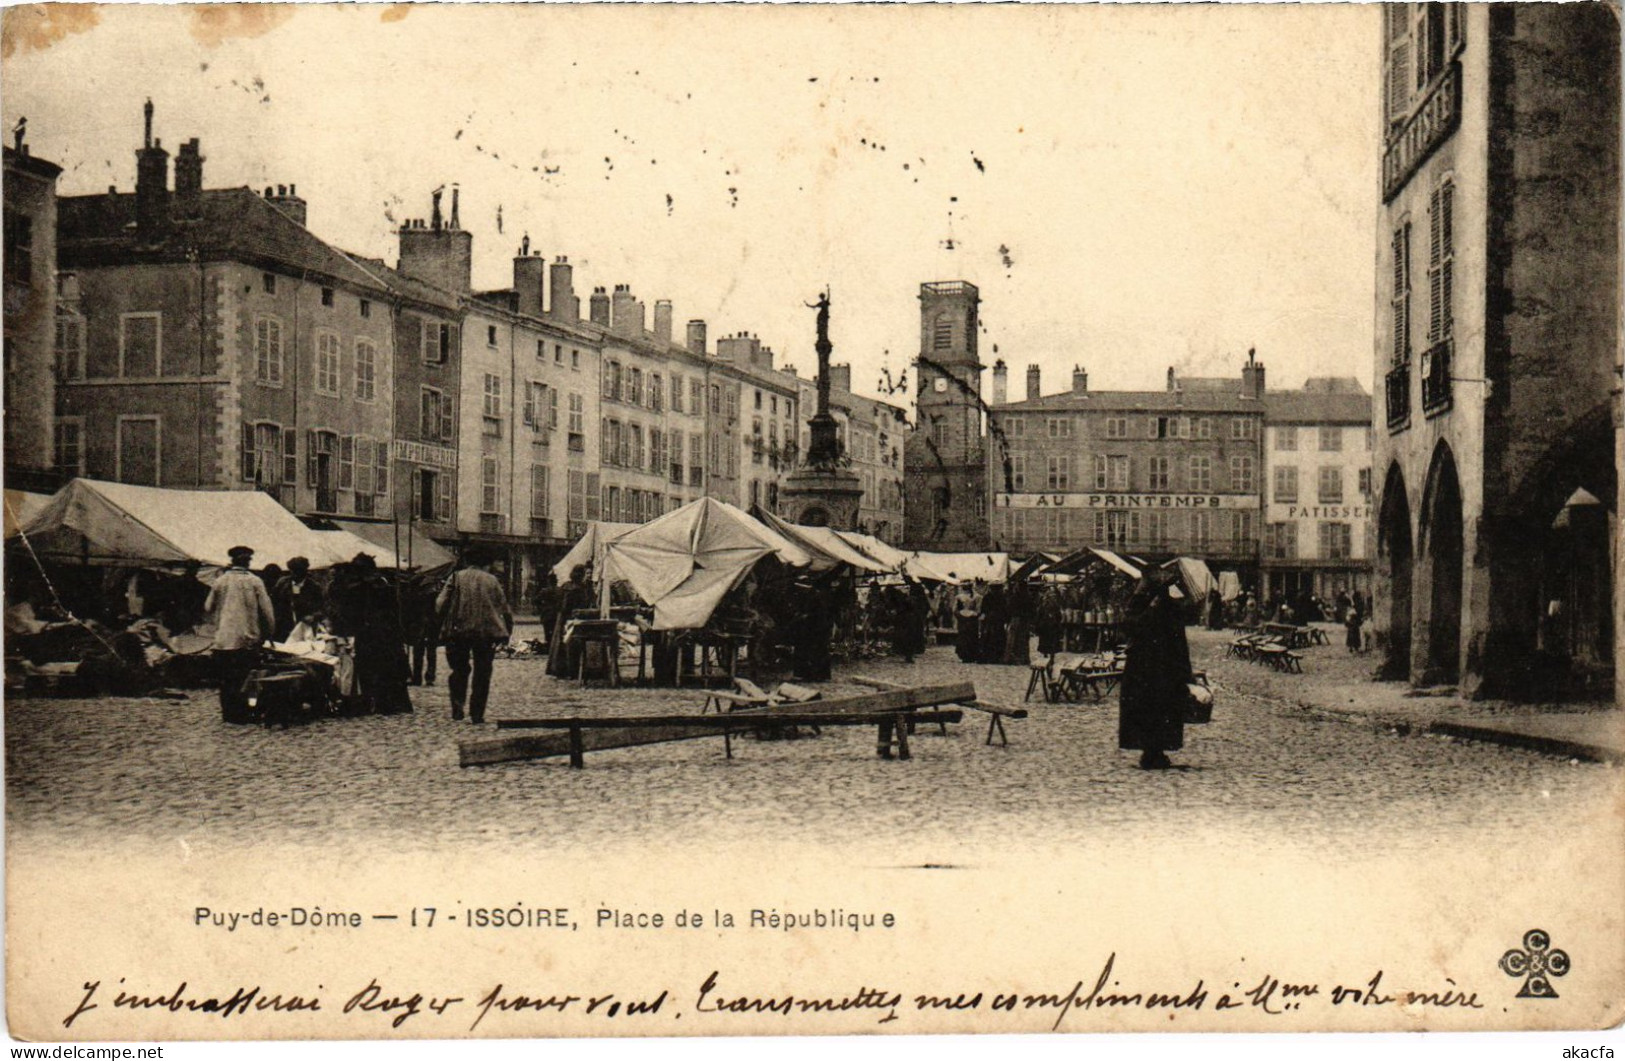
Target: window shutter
<point>365,464</point>
<point>1435,274</point>
<point>448,425</point>
<point>1447,195</point>
<point>310,458</point>
<point>530,405</point>
<point>442,501</point>
<point>347,462</point>
<point>1399,75</point>
<point>429,341</point>
<point>594,500</point>
<point>248,453</point>
<point>381,451</point>
<point>290,456</point>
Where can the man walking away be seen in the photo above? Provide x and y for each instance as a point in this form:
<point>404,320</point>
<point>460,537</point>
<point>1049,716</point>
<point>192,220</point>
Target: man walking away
<point>241,609</point>
<point>474,619</point>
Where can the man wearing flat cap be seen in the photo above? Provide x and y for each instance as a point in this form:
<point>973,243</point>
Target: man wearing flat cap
<point>243,619</point>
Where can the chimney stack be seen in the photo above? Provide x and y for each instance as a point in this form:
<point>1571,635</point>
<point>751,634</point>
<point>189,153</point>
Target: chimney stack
<point>663,320</point>
<point>1080,380</point>
<point>189,180</point>
<point>286,198</point>
<point>435,254</point>
<point>1173,384</point>
<point>840,378</point>
<point>626,312</point>
<point>598,307</point>
<point>1032,382</point>
<point>1252,376</point>
<point>696,337</point>
<point>528,279</point>
<point>562,301</point>
<point>151,182</point>
<point>1001,382</point>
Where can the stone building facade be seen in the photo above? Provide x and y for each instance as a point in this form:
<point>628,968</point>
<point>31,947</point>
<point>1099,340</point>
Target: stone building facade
<point>30,318</point>
<point>1175,472</point>
<point>945,456</point>
<point>209,340</point>
<point>1497,338</point>
<point>1317,535</point>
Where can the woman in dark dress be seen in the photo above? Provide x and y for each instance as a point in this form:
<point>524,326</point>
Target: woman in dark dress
<point>1047,622</point>
<point>908,622</point>
<point>1156,674</point>
<point>367,609</point>
<point>994,617</point>
<point>967,636</point>
<point>574,595</point>
<point>1019,603</point>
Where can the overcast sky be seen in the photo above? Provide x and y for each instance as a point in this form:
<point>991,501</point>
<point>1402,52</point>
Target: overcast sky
<point>1129,186</point>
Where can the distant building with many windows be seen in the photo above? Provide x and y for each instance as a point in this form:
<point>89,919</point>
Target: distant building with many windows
<point>1317,535</point>
<point>1159,474</point>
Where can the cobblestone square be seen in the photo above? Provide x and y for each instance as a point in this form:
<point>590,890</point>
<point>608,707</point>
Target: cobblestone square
<point>1272,764</point>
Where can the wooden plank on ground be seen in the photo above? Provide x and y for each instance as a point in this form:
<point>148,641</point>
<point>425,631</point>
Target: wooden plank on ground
<point>603,733</point>
<point>977,705</point>
<point>577,736</point>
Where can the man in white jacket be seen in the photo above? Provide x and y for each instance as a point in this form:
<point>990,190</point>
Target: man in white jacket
<point>243,620</point>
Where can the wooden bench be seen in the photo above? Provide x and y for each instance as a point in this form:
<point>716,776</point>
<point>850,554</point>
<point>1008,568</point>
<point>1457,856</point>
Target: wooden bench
<point>995,723</point>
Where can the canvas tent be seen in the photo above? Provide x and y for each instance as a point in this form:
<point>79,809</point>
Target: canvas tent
<point>1196,576</point>
<point>1081,560</point>
<point>589,548</point>
<point>416,549</point>
<point>890,556</point>
<point>115,523</point>
<point>21,506</point>
<point>955,568</point>
<point>1229,586</point>
<point>827,548</point>
<point>686,561</point>
<point>1034,566</point>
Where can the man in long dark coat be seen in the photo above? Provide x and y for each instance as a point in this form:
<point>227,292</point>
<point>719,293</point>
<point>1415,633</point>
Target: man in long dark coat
<point>1156,674</point>
<point>815,618</point>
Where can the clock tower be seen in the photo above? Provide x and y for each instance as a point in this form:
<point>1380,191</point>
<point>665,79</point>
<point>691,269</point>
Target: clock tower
<point>946,474</point>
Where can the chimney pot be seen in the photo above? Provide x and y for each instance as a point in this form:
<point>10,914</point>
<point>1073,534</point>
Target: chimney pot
<point>1032,382</point>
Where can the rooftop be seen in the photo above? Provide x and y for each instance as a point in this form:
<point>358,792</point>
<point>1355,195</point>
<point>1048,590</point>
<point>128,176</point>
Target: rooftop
<point>235,224</point>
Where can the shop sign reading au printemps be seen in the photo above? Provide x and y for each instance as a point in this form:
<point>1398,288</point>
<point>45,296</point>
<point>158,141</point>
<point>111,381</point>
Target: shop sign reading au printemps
<point>1125,501</point>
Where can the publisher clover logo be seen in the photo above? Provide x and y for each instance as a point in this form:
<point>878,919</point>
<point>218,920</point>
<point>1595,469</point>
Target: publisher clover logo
<point>1537,963</point>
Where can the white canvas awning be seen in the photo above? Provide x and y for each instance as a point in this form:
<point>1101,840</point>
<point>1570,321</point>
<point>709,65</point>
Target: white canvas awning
<point>889,555</point>
<point>589,548</point>
<point>958,567</point>
<point>686,561</point>
<point>824,544</point>
<point>115,523</point>
<point>1198,579</point>
<point>21,506</point>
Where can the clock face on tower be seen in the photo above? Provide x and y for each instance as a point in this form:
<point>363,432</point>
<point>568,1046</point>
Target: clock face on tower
<point>940,385</point>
